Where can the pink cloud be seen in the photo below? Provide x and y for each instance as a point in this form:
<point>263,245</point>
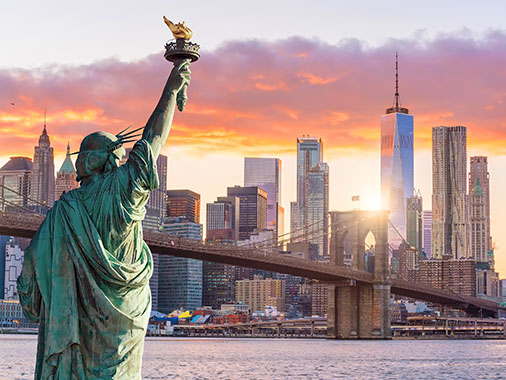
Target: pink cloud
<point>252,96</point>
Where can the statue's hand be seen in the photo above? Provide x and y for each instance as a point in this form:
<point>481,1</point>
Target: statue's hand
<point>179,76</point>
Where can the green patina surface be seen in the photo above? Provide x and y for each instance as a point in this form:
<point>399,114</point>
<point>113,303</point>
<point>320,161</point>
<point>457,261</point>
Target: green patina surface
<point>86,273</point>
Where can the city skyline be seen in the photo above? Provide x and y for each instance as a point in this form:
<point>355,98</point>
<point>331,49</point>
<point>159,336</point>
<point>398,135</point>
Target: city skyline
<point>286,91</point>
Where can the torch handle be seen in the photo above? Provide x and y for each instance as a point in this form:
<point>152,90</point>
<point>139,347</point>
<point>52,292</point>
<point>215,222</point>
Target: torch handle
<point>182,98</point>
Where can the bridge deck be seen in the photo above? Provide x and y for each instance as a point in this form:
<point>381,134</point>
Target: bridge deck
<point>25,225</point>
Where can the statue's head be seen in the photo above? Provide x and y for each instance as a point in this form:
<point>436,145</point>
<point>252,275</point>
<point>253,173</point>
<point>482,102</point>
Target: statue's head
<point>99,152</point>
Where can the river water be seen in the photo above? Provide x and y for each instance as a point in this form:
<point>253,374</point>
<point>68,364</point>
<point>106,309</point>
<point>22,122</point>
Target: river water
<point>294,359</point>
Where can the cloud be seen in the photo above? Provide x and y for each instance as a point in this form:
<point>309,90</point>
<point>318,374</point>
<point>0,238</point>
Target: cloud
<point>258,97</point>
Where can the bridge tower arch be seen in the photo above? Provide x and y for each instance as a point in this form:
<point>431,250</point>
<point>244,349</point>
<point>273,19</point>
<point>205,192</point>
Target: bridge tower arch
<point>358,310</point>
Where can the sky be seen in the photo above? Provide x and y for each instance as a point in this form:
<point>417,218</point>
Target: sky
<point>269,72</point>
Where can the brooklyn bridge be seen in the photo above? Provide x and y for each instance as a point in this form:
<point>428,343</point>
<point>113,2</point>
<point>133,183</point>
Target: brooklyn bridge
<point>358,300</point>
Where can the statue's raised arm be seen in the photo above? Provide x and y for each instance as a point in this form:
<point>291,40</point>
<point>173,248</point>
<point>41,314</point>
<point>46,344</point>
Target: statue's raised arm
<point>158,126</point>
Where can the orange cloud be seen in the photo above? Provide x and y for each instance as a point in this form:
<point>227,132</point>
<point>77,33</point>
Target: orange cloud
<point>258,97</point>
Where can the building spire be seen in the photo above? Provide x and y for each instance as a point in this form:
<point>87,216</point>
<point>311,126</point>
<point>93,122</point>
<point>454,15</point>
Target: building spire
<point>397,98</point>
<point>68,148</point>
<point>44,131</point>
<point>396,80</point>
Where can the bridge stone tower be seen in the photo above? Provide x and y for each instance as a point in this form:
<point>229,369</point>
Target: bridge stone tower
<point>358,310</point>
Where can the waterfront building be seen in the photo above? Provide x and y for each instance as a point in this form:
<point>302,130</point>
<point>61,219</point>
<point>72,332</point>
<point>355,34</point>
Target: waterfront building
<point>479,198</point>
<point>222,225</point>
<point>427,233</point>
<point>458,275</point>
<point>43,181</point>
<point>319,299</point>
<point>450,211</point>
<point>66,176</point>
<point>266,174</point>
<point>15,181</point>
<point>184,203</point>
<point>252,209</point>
<point>396,164</point>
<point>414,222</point>
<point>11,315</point>
<point>180,279</point>
<point>259,293</point>
<point>14,256</point>
<point>217,284</point>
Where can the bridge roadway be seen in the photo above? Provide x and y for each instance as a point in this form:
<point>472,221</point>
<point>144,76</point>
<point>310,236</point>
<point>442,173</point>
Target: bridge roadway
<point>25,225</point>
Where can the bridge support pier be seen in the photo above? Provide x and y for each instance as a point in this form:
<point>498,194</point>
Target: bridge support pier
<point>360,310</point>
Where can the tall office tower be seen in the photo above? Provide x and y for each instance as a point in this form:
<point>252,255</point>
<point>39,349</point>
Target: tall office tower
<point>180,279</point>
<point>222,224</point>
<point>183,203</point>
<point>396,164</point>
<point>309,154</point>
<point>43,181</point>
<point>318,206</point>
<point>414,224</point>
<point>479,228</point>
<point>15,181</point>
<point>252,209</point>
<point>66,176</point>
<point>450,213</point>
<point>222,218</point>
<point>310,162</point>
<point>479,171</point>
<point>266,174</point>
<point>427,233</point>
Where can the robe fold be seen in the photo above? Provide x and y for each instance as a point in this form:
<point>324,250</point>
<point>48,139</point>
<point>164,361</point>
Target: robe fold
<point>86,274</point>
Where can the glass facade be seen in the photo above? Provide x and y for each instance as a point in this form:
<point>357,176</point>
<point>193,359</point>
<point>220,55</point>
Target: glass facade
<point>266,174</point>
<point>317,206</point>
<point>309,154</point>
<point>180,279</point>
<point>396,169</point>
<point>252,209</point>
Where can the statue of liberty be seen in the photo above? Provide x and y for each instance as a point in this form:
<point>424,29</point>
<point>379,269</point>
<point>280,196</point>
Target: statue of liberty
<point>86,273</point>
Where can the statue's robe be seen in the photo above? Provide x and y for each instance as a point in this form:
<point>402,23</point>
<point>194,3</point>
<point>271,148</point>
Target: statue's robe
<point>86,273</point>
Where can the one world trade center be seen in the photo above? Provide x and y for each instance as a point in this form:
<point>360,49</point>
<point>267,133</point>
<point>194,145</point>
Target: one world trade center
<point>396,165</point>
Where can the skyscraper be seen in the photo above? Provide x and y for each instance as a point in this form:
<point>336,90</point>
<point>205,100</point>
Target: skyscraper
<point>450,216</point>
<point>252,209</point>
<point>43,181</point>
<point>222,224</point>
<point>312,174</point>
<point>266,174</point>
<point>427,232</point>
<point>318,206</point>
<point>183,203</point>
<point>180,279</point>
<point>16,181</point>
<point>480,234</point>
<point>66,176</point>
<point>414,224</point>
<point>396,164</point>
<point>309,153</point>
<point>478,227</point>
